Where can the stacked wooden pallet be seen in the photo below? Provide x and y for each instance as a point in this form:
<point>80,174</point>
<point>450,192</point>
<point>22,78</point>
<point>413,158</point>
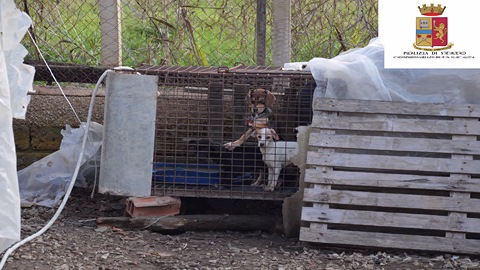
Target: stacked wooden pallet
<point>394,175</point>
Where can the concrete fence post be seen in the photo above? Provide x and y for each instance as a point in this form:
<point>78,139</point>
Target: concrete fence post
<point>129,135</point>
<point>110,27</point>
<point>281,36</point>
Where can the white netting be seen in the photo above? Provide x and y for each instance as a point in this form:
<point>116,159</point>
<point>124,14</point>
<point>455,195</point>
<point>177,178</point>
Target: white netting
<point>359,74</point>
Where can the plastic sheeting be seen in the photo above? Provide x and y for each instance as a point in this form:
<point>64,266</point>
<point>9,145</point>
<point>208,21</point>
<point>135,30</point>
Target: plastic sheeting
<point>16,80</point>
<point>359,74</point>
<point>45,181</point>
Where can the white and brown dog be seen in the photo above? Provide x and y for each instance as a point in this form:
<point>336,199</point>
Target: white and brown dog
<point>260,102</point>
<point>276,155</point>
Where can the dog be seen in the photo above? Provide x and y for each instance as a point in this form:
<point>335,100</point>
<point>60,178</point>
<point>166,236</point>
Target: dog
<point>276,155</point>
<point>260,102</point>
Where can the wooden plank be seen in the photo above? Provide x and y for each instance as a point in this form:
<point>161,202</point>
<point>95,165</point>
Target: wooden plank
<point>322,205</point>
<point>403,108</point>
<point>396,163</point>
<point>201,222</point>
<point>458,216</point>
<point>384,124</point>
<point>398,241</point>
<point>252,194</point>
<point>390,180</point>
<point>397,220</point>
<point>395,144</point>
<point>454,216</point>
<point>392,200</point>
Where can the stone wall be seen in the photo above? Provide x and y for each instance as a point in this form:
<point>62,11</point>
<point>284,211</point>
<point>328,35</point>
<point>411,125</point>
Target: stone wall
<point>39,134</point>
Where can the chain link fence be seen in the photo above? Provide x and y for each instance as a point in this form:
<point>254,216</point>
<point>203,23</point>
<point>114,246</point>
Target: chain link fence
<point>99,33</point>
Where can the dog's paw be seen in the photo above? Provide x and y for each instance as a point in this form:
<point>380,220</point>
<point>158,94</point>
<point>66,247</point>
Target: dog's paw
<point>231,145</point>
<point>269,188</point>
<point>256,184</point>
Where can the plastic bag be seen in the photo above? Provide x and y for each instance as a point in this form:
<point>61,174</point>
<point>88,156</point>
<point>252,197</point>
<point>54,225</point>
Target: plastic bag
<point>46,181</point>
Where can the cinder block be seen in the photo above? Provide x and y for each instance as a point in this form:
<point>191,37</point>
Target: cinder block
<point>152,206</point>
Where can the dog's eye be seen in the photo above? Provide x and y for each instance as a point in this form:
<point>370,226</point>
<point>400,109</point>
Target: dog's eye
<point>259,137</point>
<point>269,137</point>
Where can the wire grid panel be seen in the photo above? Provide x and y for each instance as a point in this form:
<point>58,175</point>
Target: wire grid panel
<point>186,33</point>
<point>394,175</point>
<point>200,109</point>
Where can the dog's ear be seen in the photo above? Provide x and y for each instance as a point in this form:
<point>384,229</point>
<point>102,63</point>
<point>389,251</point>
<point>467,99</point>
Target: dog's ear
<point>270,98</point>
<point>275,135</point>
<point>248,97</point>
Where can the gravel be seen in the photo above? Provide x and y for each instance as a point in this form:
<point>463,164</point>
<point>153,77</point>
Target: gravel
<point>75,242</point>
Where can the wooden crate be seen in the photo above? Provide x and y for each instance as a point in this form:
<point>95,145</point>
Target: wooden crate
<point>393,175</point>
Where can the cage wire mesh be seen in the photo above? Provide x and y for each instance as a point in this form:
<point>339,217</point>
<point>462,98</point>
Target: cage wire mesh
<point>200,109</point>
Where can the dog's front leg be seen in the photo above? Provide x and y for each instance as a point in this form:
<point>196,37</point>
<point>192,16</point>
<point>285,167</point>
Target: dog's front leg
<point>260,178</point>
<point>273,174</point>
<point>231,145</point>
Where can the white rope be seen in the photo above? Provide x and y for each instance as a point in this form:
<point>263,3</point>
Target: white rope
<point>55,79</point>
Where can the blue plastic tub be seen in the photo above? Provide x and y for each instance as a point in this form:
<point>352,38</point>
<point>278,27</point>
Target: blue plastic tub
<point>180,173</point>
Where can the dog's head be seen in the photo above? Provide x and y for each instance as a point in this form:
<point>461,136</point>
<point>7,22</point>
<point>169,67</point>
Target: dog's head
<point>265,135</point>
<point>259,99</point>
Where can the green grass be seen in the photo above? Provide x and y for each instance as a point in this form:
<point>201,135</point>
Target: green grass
<point>210,33</point>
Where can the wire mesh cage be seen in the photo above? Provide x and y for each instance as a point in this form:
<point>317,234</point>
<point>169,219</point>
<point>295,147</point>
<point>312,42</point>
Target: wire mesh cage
<point>201,109</point>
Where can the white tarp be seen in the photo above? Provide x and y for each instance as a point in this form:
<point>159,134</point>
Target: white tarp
<point>16,79</point>
<point>46,181</point>
<point>359,74</point>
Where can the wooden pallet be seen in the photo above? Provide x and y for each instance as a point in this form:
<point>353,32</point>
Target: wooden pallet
<point>393,175</point>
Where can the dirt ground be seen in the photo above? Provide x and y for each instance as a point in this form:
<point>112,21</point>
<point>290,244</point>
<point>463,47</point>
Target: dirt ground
<point>76,242</point>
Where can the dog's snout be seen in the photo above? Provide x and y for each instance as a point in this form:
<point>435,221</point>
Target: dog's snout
<point>261,144</point>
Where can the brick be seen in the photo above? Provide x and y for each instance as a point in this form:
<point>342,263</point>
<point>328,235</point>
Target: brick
<point>152,206</point>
